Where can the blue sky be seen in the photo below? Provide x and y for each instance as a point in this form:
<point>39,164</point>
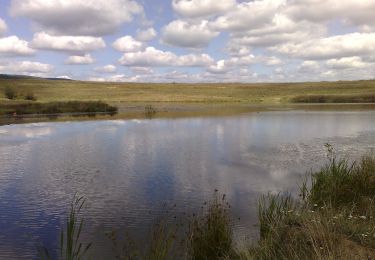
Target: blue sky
<point>189,40</point>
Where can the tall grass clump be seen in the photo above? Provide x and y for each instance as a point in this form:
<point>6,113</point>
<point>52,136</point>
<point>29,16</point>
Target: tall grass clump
<point>341,183</point>
<point>71,247</point>
<point>150,111</point>
<point>271,210</point>
<point>210,234</point>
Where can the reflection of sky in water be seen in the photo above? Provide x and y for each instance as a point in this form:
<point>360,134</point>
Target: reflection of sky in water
<point>128,168</point>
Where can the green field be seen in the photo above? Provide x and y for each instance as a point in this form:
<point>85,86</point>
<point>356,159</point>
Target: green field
<point>265,93</point>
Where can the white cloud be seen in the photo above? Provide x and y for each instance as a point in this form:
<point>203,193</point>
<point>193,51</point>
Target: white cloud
<point>146,35</point>
<point>347,45</point>
<point>77,17</point>
<point>25,67</point>
<point>240,63</point>
<point>76,60</point>
<point>280,30</point>
<point>352,12</point>
<point>127,44</point>
<point>106,69</point>
<point>13,46</point>
<point>249,15</point>
<point>194,60</point>
<point>154,57</point>
<point>148,58</point>
<point>348,62</point>
<point>197,8</point>
<point>186,34</point>
<point>80,44</point>
<point>309,66</point>
<point>220,67</point>
<point>3,27</point>
<point>272,61</point>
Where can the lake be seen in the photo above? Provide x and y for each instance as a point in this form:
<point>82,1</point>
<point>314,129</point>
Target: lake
<point>131,171</point>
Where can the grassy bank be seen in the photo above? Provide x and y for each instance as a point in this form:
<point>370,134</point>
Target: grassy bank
<point>145,93</point>
<point>87,107</point>
<point>333,219</point>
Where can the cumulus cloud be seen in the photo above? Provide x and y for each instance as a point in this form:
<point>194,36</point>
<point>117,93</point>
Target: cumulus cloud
<point>187,34</point>
<point>197,8</point>
<point>80,44</point>
<point>77,17</point>
<point>25,67</point>
<point>154,57</point>
<point>106,69</point>
<point>339,46</point>
<point>346,63</point>
<point>146,35</point>
<point>249,15</point>
<point>352,12</point>
<point>127,44</point>
<point>220,67</point>
<point>241,63</point>
<point>309,66</point>
<point>280,30</point>
<point>13,46</point>
<point>3,27</point>
<point>77,60</point>
<point>296,40</point>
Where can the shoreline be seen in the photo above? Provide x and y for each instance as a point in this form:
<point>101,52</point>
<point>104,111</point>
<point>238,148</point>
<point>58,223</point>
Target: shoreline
<point>162,110</point>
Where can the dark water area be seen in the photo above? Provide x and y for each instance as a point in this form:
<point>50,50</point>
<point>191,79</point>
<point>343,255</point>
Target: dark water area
<point>128,169</point>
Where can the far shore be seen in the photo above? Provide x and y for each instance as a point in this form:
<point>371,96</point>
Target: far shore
<point>61,100</point>
<point>129,111</point>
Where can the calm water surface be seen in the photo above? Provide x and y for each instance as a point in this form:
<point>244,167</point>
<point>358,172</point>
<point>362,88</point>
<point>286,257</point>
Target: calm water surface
<point>127,170</point>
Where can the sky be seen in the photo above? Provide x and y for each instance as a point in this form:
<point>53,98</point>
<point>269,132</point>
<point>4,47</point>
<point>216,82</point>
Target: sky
<point>189,40</point>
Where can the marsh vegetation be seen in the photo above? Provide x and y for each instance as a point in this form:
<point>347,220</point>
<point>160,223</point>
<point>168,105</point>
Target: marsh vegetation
<point>56,108</point>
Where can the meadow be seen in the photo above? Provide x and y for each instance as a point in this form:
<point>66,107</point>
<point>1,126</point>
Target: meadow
<point>114,93</point>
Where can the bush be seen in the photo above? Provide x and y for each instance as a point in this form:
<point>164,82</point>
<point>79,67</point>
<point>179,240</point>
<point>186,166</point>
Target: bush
<point>30,96</point>
<point>10,93</point>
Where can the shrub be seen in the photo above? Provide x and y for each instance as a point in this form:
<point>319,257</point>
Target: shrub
<point>10,93</point>
<point>30,96</point>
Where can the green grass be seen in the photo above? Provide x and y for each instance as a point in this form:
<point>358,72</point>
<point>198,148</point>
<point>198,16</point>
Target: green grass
<point>258,93</point>
<point>55,108</point>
